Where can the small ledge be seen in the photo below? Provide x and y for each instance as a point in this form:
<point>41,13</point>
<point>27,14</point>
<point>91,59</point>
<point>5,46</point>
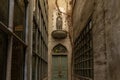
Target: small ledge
<point>59,34</point>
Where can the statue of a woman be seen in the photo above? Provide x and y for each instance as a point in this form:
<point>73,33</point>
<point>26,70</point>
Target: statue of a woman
<point>59,22</point>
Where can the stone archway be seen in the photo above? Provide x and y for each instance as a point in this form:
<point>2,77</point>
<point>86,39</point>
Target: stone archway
<point>59,63</point>
<point>59,48</point>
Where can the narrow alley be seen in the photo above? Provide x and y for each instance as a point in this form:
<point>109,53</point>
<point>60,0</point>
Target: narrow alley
<point>59,40</point>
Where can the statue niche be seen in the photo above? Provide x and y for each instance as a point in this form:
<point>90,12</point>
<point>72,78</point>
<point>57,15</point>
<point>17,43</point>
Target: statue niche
<point>59,22</point>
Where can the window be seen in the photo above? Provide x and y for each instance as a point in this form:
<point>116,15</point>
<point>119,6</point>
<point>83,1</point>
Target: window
<point>59,49</point>
<point>33,67</point>
<point>39,44</point>
<point>83,54</point>
<point>34,36</point>
<point>16,40</point>
<point>12,40</point>
<point>19,18</point>
<point>3,54</point>
<point>18,59</point>
<point>18,46</point>
<point>4,11</point>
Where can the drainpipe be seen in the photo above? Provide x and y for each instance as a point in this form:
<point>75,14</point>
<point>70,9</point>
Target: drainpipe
<point>28,56</point>
<point>10,40</point>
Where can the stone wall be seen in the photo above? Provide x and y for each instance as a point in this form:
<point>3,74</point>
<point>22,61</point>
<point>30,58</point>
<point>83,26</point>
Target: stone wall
<point>81,12</point>
<point>99,42</point>
<point>106,39</point>
<point>112,27</point>
<point>52,14</point>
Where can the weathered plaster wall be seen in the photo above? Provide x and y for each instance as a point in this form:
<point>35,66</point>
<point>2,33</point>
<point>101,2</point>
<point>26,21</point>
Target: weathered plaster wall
<point>112,27</point>
<point>81,12</point>
<point>106,39</point>
<point>99,43</point>
<point>106,31</point>
<point>52,42</point>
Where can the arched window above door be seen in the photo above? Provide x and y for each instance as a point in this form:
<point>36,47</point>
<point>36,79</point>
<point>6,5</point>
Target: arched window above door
<point>59,49</point>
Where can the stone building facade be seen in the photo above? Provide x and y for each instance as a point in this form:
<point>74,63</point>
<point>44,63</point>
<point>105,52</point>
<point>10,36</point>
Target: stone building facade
<point>105,18</point>
<point>23,39</point>
<point>53,43</point>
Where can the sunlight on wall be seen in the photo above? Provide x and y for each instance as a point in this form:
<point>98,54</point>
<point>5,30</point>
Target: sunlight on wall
<point>55,12</point>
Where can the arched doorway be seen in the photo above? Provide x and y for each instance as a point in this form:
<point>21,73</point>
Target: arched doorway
<point>59,63</point>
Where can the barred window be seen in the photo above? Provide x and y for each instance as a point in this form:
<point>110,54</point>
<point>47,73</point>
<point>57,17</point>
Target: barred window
<point>39,68</point>
<point>83,54</point>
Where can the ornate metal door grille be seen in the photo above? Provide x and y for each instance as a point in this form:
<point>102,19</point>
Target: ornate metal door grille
<point>83,54</point>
